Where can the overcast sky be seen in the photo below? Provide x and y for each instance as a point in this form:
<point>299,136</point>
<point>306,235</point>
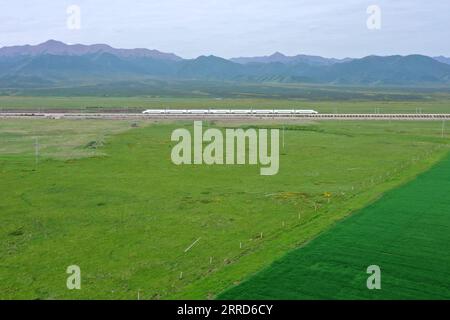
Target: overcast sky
<point>231,28</point>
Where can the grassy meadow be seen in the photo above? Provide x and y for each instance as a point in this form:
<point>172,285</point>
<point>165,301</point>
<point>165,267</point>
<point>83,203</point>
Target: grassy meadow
<point>105,195</point>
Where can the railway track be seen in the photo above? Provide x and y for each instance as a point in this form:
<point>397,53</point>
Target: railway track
<point>139,116</point>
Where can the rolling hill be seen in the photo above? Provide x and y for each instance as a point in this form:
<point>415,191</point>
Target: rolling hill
<point>279,57</point>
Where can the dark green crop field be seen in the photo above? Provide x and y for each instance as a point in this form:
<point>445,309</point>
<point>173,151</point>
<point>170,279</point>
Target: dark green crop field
<point>406,233</point>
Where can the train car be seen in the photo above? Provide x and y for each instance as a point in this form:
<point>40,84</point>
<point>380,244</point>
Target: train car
<point>175,111</point>
<point>260,111</point>
<point>306,112</point>
<point>220,111</point>
<point>154,111</point>
<point>198,111</point>
<point>241,111</point>
<point>282,111</point>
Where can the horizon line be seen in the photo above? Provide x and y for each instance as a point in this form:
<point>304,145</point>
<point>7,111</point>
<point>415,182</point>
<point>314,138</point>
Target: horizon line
<point>206,55</point>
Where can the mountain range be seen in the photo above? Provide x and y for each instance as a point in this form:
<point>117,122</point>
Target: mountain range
<point>53,63</point>
<point>53,47</point>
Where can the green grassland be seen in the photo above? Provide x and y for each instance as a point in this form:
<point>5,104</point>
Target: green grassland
<point>406,233</point>
<point>104,195</point>
<point>215,89</point>
<point>137,104</point>
<point>59,139</point>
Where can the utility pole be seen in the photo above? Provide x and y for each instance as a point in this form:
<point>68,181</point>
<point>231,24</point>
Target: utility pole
<point>36,151</point>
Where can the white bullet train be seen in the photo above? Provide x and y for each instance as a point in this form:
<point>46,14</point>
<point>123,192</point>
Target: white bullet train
<point>228,111</point>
